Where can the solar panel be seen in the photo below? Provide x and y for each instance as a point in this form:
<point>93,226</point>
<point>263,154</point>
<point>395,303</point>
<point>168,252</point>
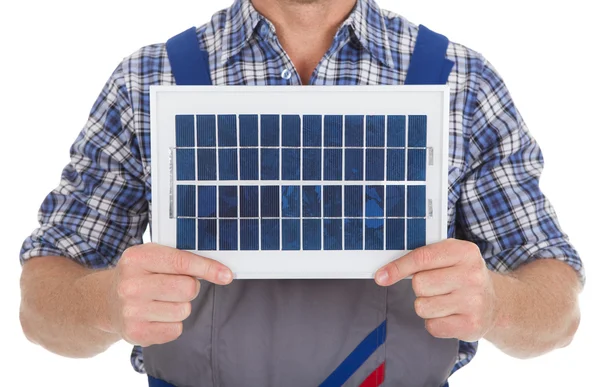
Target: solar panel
<point>289,186</point>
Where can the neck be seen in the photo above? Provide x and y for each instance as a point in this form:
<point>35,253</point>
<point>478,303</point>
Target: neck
<point>305,28</point>
<point>305,16</point>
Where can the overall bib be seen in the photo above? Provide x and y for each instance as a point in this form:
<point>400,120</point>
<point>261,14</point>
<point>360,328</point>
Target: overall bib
<point>302,333</point>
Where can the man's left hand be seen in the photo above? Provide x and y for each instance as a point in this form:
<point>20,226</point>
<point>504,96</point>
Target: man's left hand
<point>454,289</point>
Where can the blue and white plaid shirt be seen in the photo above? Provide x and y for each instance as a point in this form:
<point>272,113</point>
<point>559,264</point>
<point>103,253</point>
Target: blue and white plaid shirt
<point>102,205</point>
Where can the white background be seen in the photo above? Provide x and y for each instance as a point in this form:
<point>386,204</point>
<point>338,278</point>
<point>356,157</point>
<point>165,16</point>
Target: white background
<point>56,55</point>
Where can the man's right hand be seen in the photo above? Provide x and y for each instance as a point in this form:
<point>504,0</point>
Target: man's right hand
<point>151,290</point>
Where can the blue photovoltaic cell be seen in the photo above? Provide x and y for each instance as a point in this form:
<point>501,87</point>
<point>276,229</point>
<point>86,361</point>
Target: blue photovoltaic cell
<point>207,234</point>
<point>415,233</point>
<point>375,164</point>
<point>332,164</point>
<point>416,201</point>
<point>395,164</point>
<point>207,130</point>
<point>394,234</point>
<point>353,234</point>
<point>207,201</point>
<point>354,164</point>
<point>269,164</point>
<point>312,133</point>
<point>249,231</point>
<point>376,131</point>
<point>332,234</point>
<point>228,234</point>
<point>417,164</point>
<point>290,164</point>
<point>354,131</point>
<point>311,167</point>
<point>184,131</point>
<point>207,164</point>
<point>270,234</point>
<point>311,201</point>
<point>290,201</point>
<point>186,200</point>
<point>227,130</point>
<point>249,130</point>
<point>353,200</point>
<point>228,202</point>
<point>269,130</point>
<point>374,234</point>
<point>396,137</point>
<point>228,164</point>
<point>395,201</point>
<point>249,201</point>
<point>249,164</point>
<point>186,165</point>
<point>417,131</point>
<point>376,216</point>
<point>311,234</point>
<point>186,234</point>
<point>290,130</point>
<point>374,201</point>
<point>269,201</point>
<point>332,201</point>
<point>290,234</point>
<point>333,131</point>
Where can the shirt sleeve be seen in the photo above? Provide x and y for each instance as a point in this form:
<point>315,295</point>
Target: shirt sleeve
<point>501,207</point>
<point>99,208</point>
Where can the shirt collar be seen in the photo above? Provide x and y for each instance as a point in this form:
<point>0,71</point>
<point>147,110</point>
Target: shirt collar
<point>368,25</point>
<point>366,21</point>
<point>240,22</point>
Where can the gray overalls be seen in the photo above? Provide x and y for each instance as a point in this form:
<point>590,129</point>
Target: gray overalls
<point>301,333</point>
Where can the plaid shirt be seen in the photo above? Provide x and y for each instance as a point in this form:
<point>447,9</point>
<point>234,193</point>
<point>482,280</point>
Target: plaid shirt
<point>102,204</point>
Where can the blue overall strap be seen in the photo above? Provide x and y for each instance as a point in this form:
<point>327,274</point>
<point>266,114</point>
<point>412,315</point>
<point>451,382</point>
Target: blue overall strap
<point>428,64</point>
<point>153,382</point>
<point>189,64</point>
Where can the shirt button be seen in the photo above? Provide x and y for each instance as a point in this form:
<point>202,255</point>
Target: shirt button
<point>264,30</point>
<point>286,74</point>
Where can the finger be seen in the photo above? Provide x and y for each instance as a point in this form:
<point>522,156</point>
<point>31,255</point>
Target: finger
<point>438,306</point>
<point>165,332</point>
<point>159,311</point>
<point>170,287</point>
<point>438,282</point>
<point>458,326</point>
<point>446,253</point>
<point>150,333</point>
<point>445,327</point>
<point>166,260</point>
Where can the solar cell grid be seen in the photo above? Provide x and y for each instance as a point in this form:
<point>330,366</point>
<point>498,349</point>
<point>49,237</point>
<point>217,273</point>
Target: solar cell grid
<point>300,182</point>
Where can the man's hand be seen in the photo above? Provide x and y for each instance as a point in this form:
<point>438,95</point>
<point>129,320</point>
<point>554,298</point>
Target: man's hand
<point>454,289</point>
<point>151,290</point>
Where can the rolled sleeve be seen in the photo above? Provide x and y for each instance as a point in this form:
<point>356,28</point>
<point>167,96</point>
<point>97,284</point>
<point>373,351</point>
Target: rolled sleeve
<point>502,208</point>
<point>99,208</point>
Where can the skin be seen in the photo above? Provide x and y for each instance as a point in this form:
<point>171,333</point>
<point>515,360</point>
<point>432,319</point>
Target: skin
<point>525,313</point>
<point>78,312</point>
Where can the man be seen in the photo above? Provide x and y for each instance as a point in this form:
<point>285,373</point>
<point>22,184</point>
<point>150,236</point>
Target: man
<point>512,278</point>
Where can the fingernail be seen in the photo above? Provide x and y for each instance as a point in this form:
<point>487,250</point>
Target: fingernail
<point>382,277</point>
<point>224,276</point>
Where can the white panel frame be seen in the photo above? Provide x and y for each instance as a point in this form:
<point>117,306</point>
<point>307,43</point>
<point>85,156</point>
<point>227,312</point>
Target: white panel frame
<point>168,101</point>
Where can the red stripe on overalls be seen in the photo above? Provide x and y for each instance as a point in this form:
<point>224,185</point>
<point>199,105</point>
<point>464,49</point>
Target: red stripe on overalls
<point>357,357</point>
<point>376,378</point>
